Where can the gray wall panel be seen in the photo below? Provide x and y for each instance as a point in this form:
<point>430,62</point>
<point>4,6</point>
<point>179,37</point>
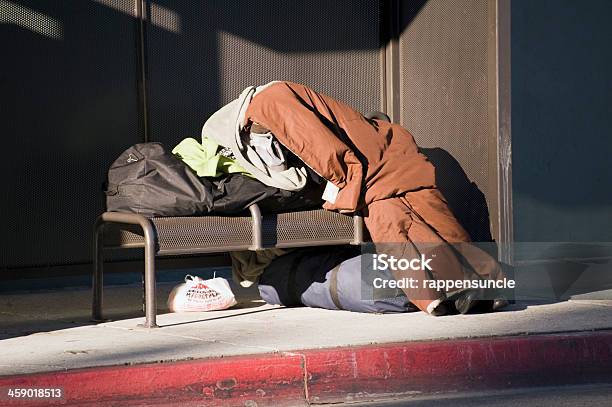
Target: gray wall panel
<point>445,90</point>
<point>68,109</point>
<point>562,120</point>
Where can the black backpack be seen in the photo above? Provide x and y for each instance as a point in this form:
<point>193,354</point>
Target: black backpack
<point>148,180</point>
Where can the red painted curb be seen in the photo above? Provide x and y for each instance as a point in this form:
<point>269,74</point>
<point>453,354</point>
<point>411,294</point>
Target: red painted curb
<point>458,365</point>
<point>339,374</point>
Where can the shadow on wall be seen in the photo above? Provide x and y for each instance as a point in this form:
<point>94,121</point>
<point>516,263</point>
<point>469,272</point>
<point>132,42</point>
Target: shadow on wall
<point>465,199</point>
<point>227,45</point>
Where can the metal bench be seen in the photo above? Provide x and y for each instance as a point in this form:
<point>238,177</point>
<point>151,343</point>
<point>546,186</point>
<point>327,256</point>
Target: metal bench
<point>173,236</point>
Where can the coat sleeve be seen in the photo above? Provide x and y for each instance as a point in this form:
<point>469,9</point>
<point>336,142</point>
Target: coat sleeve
<point>307,124</point>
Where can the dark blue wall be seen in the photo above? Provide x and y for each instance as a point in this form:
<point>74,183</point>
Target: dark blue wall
<point>562,120</point>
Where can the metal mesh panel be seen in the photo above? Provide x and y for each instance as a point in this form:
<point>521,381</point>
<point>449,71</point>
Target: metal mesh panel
<point>308,226</point>
<point>225,233</point>
<point>69,108</point>
<point>119,235</point>
<point>209,231</point>
<point>445,86</point>
<point>222,233</point>
<point>222,46</point>
<point>187,234</point>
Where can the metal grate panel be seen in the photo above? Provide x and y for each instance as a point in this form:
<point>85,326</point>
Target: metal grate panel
<point>223,46</point>
<point>203,232</point>
<point>294,228</point>
<point>119,235</point>
<point>69,108</point>
<point>224,233</point>
<point>186,234</point>
<point>445,93</point>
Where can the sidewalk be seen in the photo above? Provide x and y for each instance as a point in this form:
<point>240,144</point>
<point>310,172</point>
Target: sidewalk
<point>50,332</point>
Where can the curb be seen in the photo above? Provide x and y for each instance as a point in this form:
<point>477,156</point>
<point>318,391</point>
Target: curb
<point>360,373</point>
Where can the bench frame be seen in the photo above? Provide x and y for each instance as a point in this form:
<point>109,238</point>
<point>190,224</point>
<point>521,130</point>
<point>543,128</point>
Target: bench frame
<point>150,243</point>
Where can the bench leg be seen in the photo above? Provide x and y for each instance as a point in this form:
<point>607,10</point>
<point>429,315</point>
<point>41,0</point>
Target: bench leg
<point>149,252</point>
<point>149,277</point>
<point>98,272</point>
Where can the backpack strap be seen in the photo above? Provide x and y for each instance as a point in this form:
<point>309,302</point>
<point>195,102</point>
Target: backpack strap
<point>333,287</point>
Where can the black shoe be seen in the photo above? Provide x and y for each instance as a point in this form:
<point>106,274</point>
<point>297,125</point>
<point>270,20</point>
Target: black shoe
<point>499,303</point>
<point>440,310</point>
<point>465,301</point>
<point>486,306</point>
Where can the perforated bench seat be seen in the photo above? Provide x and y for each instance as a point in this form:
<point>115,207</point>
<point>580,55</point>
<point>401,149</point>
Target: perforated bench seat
<point>167,236</point>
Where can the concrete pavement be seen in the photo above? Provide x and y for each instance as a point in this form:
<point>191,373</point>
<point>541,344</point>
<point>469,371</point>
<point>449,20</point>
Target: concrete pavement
<point>50,332</point>
<point>47,331</point>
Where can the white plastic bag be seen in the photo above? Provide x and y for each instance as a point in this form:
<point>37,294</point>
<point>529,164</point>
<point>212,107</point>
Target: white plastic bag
<point>197,294</point>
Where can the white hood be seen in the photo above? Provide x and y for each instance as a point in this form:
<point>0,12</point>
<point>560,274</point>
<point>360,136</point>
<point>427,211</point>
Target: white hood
<point>225,127</point>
